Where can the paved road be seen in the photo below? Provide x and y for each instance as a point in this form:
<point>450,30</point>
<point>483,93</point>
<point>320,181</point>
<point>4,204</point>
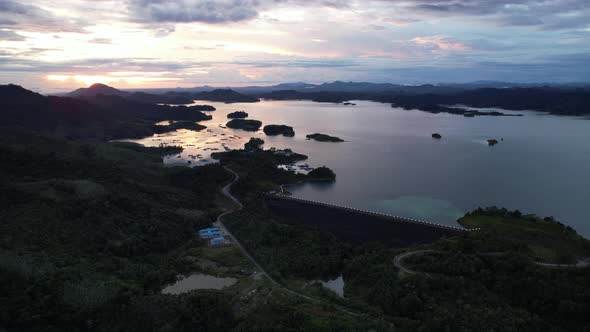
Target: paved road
<point>580,264</point>
<point>398,260</point>
<point>219,223</point>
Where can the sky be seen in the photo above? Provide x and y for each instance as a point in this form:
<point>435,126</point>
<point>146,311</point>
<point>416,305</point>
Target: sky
<point>49,45</point>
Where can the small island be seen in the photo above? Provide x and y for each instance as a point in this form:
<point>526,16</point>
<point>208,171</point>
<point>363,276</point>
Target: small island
<point>347,103</point>
<point>248,125</point>
<point>322,173</point>
<point>492,142</point>
<point>237,115</point>
<point>437,136</point>
<point>324,138</point>
<point>274,130</point>
<point>254,144</point>
<point>175,125</point>
<point>205,108</point>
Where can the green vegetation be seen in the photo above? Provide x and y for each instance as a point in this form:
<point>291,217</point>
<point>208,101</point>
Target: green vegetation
<point>91,232</point>
<point>92,228</point>
<point>248,125</point>
<point>322,173</point>
<point>274,130</point>
<point>324,138</point>
<point>543,240</point>
<point>469,286</point>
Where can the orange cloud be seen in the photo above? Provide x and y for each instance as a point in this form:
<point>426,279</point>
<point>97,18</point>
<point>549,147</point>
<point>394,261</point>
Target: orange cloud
<point>400,22</point>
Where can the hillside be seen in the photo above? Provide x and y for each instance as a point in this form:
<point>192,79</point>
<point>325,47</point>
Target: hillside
<point>98,117</point>
<point>90,229</point>
<point>225,95</point>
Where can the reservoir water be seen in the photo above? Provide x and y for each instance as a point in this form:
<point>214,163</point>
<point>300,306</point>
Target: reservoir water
<point>391,164</point>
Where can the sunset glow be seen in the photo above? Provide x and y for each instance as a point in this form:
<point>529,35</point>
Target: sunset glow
<point>142,43</point>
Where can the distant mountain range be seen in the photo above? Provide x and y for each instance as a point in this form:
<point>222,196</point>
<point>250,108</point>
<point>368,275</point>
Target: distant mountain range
<point>164,97</point>
<point>563,99</point>
<point>340,86</point>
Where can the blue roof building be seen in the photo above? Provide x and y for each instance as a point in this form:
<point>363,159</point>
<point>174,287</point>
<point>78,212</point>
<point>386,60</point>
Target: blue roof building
<point>209,232</point>
<point>217,241</point>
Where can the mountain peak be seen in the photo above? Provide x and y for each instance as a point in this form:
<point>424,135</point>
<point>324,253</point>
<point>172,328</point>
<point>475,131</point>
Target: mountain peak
<point>99,86</point>
<point>97,89</point>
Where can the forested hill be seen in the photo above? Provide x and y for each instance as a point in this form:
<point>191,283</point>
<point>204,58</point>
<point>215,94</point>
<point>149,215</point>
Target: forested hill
<point>169,97</point>
<point>97,117</point>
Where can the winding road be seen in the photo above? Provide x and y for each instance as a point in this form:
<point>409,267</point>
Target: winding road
<point>398,261</point>
<point>219,223</point>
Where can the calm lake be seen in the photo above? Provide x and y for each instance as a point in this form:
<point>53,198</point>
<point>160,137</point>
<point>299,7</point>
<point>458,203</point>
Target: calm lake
<point>390,163</point>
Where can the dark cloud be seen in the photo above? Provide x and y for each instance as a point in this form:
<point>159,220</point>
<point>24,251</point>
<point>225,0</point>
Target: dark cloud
<point>184,11</point>
<point>555,14</point>
<point>10,35</point>
<point>213,11</point>
<point>25,16</point>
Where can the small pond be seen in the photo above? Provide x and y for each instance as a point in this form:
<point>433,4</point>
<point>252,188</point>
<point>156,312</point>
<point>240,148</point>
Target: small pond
<point>335,285</point>
<point>198,281</point>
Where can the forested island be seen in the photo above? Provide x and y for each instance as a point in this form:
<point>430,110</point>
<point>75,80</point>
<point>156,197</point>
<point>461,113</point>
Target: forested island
<point>237,115</point>
<point>248,125</point>
<point>324,138</point>
<point>175,125</point>
<point>274,130</point>
<point>322,173</point>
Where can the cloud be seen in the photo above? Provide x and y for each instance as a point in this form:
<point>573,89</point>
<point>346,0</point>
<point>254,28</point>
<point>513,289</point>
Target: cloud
<point>400,22</point>
<point>100,41</point>
<point>440,43</point>
<point>215,11</point>
<point>554,14</point>
<point>10,35</point>
<point>186,11</point>
<point>299,63</point>
<point>25,16</point>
